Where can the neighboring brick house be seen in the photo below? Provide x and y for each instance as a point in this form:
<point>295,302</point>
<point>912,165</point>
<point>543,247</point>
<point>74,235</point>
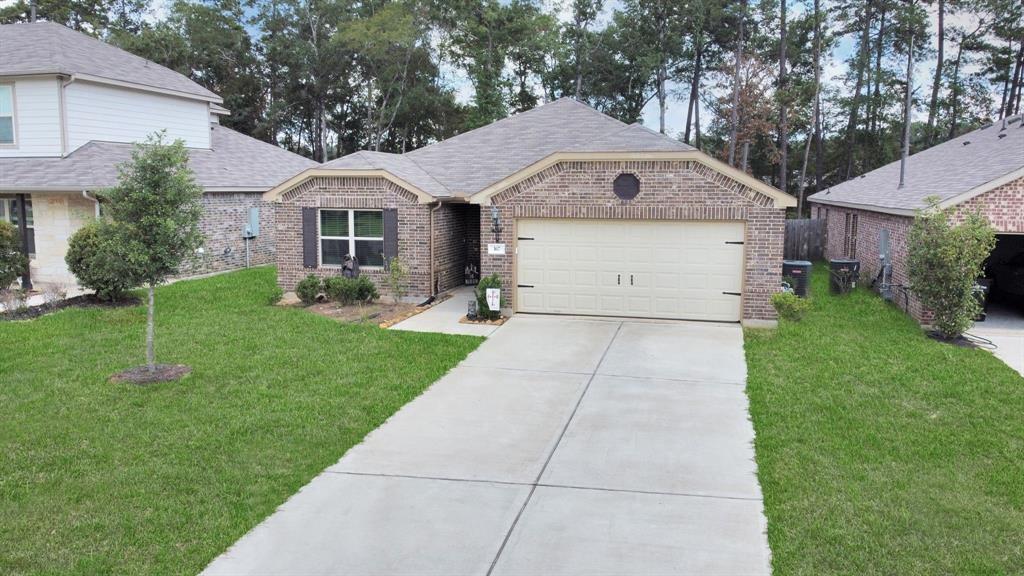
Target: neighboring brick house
<point>577,212</point>
<point>71,107</point>
<point>982,171</point>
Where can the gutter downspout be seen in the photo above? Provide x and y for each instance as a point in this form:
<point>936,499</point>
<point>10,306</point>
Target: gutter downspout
<point>433,282</point>
<point>85,194</point>
<point>26,278</point>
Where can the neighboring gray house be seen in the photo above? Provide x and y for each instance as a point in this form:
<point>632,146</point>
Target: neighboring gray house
<point>70,108</point>
<point>576,211</point>
<point>981,171</point>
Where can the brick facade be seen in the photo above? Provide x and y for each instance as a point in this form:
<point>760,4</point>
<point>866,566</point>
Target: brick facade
<point>225,216</point>
<point>1003,207</point>
<point>669,190</point>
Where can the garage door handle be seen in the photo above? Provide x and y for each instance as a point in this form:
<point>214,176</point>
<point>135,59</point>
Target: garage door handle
<point>523,238</point>
<point>618,279</point>
<point>524,285</point>
<point>732,293</point>
<point>630,279</point>
<point>740,243</point>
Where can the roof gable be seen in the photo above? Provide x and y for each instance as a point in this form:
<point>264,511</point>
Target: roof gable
<point>49,48</point>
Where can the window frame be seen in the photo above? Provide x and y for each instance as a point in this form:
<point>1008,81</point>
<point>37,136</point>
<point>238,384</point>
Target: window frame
<point>351,238</point>
<point>14,117</point>
<point>7,215</point>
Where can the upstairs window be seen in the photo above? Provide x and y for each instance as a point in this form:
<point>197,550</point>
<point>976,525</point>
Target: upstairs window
<point>6,114</point>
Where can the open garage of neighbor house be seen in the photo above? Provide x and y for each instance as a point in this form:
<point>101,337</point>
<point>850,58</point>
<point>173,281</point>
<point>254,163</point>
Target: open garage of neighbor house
<point>577,213</point>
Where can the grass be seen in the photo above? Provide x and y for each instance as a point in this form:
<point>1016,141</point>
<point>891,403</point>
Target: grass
<point>881,451</point>
<point>100,478</point>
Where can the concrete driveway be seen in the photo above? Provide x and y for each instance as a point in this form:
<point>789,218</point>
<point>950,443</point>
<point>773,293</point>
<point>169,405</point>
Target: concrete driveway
<point>561,446</point>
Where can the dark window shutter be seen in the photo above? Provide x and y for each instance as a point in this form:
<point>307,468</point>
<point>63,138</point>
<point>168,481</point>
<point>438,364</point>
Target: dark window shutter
<point>309,237</point>
<point>390,234</point>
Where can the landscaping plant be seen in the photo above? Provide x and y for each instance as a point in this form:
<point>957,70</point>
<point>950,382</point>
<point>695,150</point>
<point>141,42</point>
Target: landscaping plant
<point>790,306</point>
<point>308,289</point>
<point>492,281</point>
<point>944,261</point>
<point>98,262</point>
<point>13,262</point>
<point>398,278</point>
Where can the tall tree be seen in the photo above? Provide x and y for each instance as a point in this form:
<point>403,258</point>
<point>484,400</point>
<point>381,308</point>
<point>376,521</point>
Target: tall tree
<point>782,98</point>
<point>940,41</point>
<point>734,121</point>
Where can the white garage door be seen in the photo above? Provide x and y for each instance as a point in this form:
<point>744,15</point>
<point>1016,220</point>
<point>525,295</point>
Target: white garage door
<point>636,268</point>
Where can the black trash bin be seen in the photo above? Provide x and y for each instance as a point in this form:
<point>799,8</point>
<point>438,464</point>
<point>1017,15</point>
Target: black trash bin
<point>843,275</point>
<point>800,272</point>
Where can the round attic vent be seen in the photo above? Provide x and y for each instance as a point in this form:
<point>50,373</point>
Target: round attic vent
<point>626,186</point>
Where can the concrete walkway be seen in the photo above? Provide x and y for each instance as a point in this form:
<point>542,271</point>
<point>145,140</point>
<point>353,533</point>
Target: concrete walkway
<point>561,446</point>
<point>444,317</point>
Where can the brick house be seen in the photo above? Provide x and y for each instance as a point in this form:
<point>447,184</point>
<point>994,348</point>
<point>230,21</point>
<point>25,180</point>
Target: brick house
<point>71,108</point>
<point>577,212</point>
<point>981,171</point>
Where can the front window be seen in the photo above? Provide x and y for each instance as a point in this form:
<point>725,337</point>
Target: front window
<point>10,211</point>
<point>356,232</point>
<point>6,114</point>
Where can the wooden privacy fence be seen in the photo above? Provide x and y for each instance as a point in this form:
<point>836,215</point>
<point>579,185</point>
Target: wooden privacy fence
<point>805,240</point>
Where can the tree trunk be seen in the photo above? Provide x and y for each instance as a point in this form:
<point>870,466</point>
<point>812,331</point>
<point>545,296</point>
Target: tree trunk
<point>694,90</point>
<point>662,98</point>
<point>906,112</point>
<point>150,353</point>
<point>1013,103</point>
<point>802,184</point>
<point>851,126</point>
<point>783,128</point>
<point>937,80</point>
<point>734,119</point>
<point>819,161</point>
<point>954,104</point>
<point>876,95</point>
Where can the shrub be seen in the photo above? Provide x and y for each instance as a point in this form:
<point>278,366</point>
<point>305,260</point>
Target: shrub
<point>492,281</point>
<point>95,257</point>
<point>347,291</point>
<point>790,306</point>
<point>944,261</point>
<point>308,289</point>
<point>12,262</point>
<point>397,280</point>
<point>275,295</point>
<point>341,290</point>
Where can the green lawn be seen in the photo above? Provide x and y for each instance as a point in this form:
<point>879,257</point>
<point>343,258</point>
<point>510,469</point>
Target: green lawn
<point>99,478</point>
<point>881,451</point>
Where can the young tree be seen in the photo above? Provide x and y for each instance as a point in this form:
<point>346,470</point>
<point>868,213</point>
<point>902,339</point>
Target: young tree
<point>154,210</point>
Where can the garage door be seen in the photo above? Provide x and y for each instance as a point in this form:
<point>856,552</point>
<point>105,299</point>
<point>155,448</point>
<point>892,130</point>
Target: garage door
<point>636,268</point>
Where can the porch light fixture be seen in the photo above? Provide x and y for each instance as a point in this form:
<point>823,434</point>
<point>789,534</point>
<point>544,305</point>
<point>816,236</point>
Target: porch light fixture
<point>496,223</point>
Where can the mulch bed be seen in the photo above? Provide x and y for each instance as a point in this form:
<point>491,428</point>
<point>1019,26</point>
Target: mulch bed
<point>83,301</point>
<point>959,341</point>
<point>383,314</point>
<point>143,376</point>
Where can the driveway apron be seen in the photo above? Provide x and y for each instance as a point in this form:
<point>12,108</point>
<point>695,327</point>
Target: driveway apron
<point>560,446</point>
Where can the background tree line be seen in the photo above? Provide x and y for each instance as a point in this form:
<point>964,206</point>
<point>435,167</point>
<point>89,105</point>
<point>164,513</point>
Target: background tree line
<point>325,78</point>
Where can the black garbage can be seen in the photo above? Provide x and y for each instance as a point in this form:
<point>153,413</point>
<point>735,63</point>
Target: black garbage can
<point>843,275</point>
<point>800,272</point>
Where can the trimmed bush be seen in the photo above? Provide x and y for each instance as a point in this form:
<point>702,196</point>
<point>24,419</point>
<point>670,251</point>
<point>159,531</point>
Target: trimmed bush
<point>398,278</point>
<point>346,291</point>
<point>96,258</point>
<point>12,262</point>
<point>308,289</point>
<point>492,281</point>
<point>944,262</point>
<point>790,306</point>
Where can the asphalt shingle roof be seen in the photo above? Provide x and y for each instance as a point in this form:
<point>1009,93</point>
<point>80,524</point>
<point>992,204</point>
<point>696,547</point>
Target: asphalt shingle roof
<point>235,162</point>
<point>467,163</point>
<point>49,48</point>
<point>947,170</point>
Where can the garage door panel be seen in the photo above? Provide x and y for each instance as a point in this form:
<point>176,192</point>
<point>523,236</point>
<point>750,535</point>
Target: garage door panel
<point>678,269</point>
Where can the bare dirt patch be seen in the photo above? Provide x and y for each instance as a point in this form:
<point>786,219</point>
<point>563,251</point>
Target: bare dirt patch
<point>83,301</point>
<point>143,376</point>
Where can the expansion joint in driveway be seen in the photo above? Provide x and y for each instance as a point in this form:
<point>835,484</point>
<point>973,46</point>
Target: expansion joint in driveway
<point>536,482</point>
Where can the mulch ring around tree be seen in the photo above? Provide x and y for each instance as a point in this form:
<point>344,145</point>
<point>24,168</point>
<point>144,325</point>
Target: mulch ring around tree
<point>143,376</point>
<point>83,301</point>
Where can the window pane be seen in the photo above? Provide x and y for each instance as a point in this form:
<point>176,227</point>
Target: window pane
<point>369,225</point>
<point>16,211</point>
<point>370,252</point>
<point>334,222</point>
<point>332,252</point>
<point>6,101</point>
<point>6,130</point>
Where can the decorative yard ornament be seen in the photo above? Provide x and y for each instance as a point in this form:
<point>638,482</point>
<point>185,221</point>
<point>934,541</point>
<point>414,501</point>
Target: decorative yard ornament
<point>494,299</point>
